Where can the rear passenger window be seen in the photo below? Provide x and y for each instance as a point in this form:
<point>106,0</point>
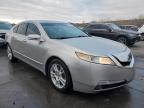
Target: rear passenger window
<point>15,29</point>
<point>32,29</point>
<point>22,28</point>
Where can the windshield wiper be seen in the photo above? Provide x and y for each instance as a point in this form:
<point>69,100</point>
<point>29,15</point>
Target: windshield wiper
<point>80,36</point>
<point>70,37</point>
<point>64,38</point>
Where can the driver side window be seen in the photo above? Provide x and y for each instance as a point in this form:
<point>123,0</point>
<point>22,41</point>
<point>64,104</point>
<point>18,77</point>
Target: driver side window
<point>22,29</point>
<point>100,26</point>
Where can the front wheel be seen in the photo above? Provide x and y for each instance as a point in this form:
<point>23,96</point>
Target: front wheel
<point>123,40</point>
<point>59,75</point>
<point>10,54</point>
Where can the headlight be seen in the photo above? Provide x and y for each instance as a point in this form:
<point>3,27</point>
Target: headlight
<point>95,59</point>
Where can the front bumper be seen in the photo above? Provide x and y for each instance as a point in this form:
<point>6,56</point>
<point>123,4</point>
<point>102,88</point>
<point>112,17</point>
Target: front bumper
<point>2,41</point>
<point>2,35</point>
<point>89,77</point>
<point>100,75</point>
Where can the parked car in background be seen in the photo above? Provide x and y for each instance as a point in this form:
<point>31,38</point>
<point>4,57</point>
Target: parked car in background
<point>4,28</point>
<point>129,27</point>
<point>71,58</point>
<point>113,32</point>
<point>141,32</point>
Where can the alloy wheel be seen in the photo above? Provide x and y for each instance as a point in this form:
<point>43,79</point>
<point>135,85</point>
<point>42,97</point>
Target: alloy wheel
<point>58,76</point>
<point>9,53</point>
<point>122,40</point>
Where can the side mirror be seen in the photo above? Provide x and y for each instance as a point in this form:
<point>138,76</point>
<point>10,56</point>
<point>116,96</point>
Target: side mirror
<point>34,37</point>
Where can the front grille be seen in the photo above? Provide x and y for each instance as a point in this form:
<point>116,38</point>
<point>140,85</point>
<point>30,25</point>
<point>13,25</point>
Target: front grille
<point>2,35</point>
<point>126,63</point>
<point>108,86</point>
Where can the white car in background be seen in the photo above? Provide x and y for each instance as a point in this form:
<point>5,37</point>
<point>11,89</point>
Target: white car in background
<point>141,32</point>
<point>4,28</point>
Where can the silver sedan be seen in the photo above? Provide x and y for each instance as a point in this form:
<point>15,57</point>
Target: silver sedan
<point>72,59</point>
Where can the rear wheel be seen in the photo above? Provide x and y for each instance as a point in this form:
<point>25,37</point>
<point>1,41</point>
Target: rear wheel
<point>123,40</point>
<point>10,54</point>
<point>59,75</point>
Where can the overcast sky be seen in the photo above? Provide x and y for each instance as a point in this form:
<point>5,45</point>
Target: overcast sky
<point>70,10</point>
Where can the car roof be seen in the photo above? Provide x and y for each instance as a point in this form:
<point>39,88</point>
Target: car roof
<point>43,21</point>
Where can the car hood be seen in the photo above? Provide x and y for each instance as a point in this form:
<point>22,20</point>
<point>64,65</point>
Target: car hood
<point>4,31</point>
<point>95,45</point>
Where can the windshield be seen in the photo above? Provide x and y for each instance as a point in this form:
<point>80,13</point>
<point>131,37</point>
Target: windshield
<point>5,26</point>
<point>62,31</point>
<point>113,26</point>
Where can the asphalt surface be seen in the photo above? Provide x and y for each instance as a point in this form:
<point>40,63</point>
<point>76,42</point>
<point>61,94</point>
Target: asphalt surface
<point>22,86</point>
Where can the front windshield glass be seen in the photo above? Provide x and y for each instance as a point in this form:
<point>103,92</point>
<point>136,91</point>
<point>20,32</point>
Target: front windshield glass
<point>5,26</point>
<point>62,31</point>
<point>113,26</point>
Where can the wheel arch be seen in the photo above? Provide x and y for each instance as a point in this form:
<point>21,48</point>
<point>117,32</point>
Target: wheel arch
<point>55,57</point>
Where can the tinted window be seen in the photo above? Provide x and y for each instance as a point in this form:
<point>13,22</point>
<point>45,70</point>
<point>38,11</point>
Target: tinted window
<point>32,29</point>
<point>98,26</point>
<point>114,26</point>
<point>62,30</point>
<point>5,26</point>
<point>22,28</point>
<point>123,27</point>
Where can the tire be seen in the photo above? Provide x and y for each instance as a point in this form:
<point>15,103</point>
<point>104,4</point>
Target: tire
<point>10,55</point>
<point>123,40</point>
<point>59,76</point>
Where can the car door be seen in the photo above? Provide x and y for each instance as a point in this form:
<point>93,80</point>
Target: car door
<point>102,30</point>
<point>97,30</point>
<point>34,48</point>
<point>19,40</point>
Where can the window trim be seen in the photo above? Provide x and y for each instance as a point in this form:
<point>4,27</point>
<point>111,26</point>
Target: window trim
<point>93,26</point>
<point>16,27</point>
<point>36,27</point>
<point>25,30</point>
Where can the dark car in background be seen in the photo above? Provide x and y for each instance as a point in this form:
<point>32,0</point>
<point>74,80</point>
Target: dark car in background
<point>113,32</point>
<point>4,28</point>
<point>129,27</point>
